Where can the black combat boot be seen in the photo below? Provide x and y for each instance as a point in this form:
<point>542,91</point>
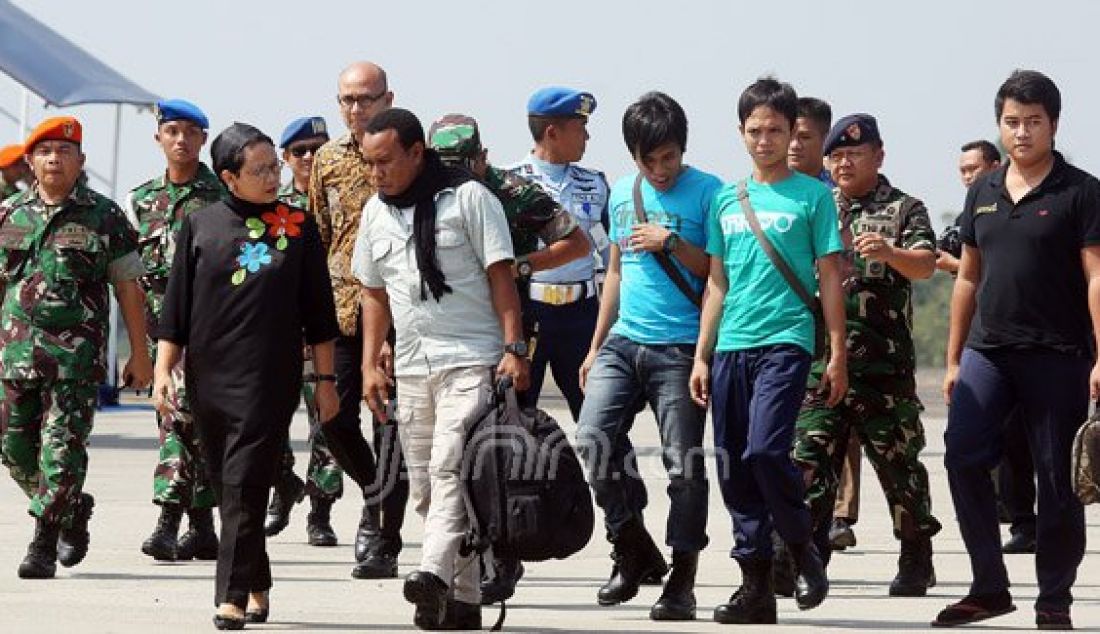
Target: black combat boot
<point>677,602</point>
<point>72,542</point>
<point>200,541</point>
<point>754,602</point>
<point>783,568</point>
<point>915,573</point>
<point>318,527</point>
<point>812,585</point>
<point>161,545</point>
<point>289,490</point>
<point>41,553</point>
<point>429,594</point>
<point>636,557</point>
<point>368,535</point>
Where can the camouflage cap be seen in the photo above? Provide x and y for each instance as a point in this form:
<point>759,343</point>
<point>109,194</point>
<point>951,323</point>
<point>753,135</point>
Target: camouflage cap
<point>455,136</point>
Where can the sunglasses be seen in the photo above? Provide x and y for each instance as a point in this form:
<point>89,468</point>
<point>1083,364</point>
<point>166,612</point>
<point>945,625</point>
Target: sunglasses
<point>299,151</point>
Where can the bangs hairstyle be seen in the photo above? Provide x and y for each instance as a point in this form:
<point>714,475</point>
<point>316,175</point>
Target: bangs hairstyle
<point>652,121</point>
<point>770,92</point>
<point>227,150</point>
<point>403,122</point>
<point>1029,87</point>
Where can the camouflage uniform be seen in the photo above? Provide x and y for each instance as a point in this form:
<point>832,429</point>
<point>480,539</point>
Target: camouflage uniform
<point>881,405</point>
<point>532,213</point>
<point>157,209</point>
<point>55,265</point>
<point>7,190</point>
<point>324,478</point>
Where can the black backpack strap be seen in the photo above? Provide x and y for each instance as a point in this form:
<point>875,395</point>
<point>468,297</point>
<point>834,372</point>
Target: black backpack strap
<point>773,255</point>
<point>664,259</point>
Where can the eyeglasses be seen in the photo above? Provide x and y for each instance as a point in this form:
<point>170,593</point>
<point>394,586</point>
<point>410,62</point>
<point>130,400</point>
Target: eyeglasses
<point>271,169</point>
<point>362,101</point>
<point>298,151</point>
<point>851,156</point>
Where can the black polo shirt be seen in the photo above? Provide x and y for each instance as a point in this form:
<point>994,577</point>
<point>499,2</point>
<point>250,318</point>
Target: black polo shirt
<point>1032,292</point>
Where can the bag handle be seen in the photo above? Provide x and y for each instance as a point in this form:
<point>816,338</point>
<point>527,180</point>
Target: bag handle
<point>773,254</point>
<point>663,258</point>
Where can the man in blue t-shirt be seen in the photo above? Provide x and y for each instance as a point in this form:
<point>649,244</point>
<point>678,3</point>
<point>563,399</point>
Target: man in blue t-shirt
<point>643,348</point>
<point>761,335</point>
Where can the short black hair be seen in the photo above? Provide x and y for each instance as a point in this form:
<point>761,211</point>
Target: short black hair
<point>770,92</point>
<point>818,111</point>
<point>652,121</point>
<point>1029,87</point>
<point>227,150</point>
<point>990,153</point>
<point>538,124</point>
<point>404,123</point>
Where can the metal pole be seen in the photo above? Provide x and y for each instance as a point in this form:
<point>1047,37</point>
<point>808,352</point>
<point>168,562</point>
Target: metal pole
<point>24,114</point>
<point>108,394</point>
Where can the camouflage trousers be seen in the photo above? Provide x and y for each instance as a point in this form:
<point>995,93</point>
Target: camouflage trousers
<point>180,476</point>
<point>324,478</point>
<point>885,415</point>
<point>44,429</point>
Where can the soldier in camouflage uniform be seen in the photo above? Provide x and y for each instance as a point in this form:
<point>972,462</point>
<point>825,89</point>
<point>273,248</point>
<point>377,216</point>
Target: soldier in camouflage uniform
<point>533,215</point>
<point>157,209</point>
<point>324,478</point>
<point>13,169</point>
<point>889,242</point>
<point>61,244</point>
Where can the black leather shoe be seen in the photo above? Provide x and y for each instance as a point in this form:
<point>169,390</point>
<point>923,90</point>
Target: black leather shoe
<point>754,602</point>
<point>636,556</point>
<point>677,602</point>
<point>429,594</point>
<point>501,587</point>
<point>812,585</point>
<point>378,565</point>
<point>1019,543</point>
<point>783,568</point>
<point>72,542</point>
<point>368,535</point>
<point>228,623</point>
<point>41,553</point>
<point>289,490</point>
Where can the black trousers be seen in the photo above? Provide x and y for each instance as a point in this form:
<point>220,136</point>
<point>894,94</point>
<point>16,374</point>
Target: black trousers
<point>1016,477</point>
<point>380,472</point>
<point>243,565</point>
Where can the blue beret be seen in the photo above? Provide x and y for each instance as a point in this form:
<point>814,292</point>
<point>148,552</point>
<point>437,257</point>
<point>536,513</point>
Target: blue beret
<point>555,101</point>
<point>303,128</point>
<point>178,109</point>
<point>854,129</point>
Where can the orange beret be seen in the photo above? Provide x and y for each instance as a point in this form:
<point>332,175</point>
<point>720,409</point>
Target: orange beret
<point>55,129</point>
<point>10,154</point>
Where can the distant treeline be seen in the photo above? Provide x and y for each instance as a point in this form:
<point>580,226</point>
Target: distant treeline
<point>931,303</point>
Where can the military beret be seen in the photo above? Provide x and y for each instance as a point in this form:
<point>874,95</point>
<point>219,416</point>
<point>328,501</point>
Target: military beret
<point>55,129</point>
<point>455,136</point>
<point>854,129</point>
<point>303,128</point>
<point>10,154</point>
<point>180,110</point>
<point>556,101</point>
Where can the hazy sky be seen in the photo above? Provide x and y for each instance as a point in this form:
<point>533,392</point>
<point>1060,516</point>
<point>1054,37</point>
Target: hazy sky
<point>928,70</point>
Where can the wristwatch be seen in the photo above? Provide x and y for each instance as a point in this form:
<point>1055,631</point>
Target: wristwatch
<point>671,242</point>
<point>518,348</point>
<point>524,268</point>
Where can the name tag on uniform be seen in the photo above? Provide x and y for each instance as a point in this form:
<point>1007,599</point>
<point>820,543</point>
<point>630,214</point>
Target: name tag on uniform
<point>599,237</point>
<point>12,236</point>
<point>72,236</point>
<point>985,209</point>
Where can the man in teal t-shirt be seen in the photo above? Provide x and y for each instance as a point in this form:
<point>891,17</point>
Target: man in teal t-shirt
<point>761,336</point>
<point>643,349</point>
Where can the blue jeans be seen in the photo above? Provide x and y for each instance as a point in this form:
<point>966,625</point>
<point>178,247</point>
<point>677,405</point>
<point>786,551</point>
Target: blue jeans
<point>755,398</point>
<point>624,373</point>
<point>1051,391</point>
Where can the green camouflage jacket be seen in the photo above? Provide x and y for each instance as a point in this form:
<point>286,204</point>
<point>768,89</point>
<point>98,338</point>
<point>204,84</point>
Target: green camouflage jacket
<point>293,197</point>
<point>6,190</point>
<point>532,213</point>
<point>157,209</point>
<point>55,264</point>
<point>878,299</point>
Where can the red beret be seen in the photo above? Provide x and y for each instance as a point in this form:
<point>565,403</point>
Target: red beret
<point>10,154</point>
<point>55,129</point>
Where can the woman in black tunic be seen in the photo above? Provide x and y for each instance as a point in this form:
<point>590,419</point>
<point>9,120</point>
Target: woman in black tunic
<point>249,282</point>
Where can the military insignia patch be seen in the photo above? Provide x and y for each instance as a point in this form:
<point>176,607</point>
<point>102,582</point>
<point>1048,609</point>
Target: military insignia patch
<point>853,132</point>
<point>585,106</point>
<point>985,209</point>
<point>68,129</point>
<point>318,125</point>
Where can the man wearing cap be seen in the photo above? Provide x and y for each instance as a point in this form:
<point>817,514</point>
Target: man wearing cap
<point>61,244</point>
<point>13,170</point>
<point>563,300</point>
<point>888,243</point>
<point>324,479</point>
<point>338,189</point>
<point>157,208</point>
<point>535,220</point>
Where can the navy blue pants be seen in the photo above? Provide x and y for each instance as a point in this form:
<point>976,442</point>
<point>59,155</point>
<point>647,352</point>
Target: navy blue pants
<point>565,332</point>
<point>756,395</point>
<point>1051,389</point>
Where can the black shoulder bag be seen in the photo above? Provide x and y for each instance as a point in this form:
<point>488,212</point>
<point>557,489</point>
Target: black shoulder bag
<point>821,333</point>
<point>664,259</point>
